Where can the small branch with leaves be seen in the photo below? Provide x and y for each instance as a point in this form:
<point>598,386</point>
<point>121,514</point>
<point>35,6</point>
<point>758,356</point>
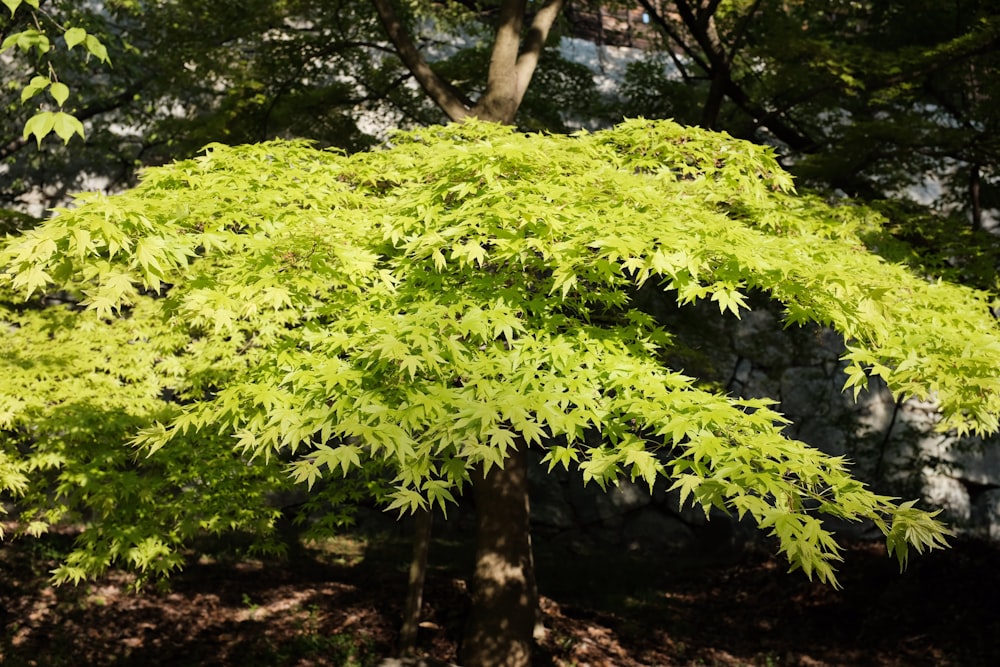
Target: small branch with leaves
<point>36,39</point>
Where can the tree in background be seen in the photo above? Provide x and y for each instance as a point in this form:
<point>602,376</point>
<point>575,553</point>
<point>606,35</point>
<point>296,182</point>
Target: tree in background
<point>189,72</point>
<point>869,99</point>
<point>866,97</point>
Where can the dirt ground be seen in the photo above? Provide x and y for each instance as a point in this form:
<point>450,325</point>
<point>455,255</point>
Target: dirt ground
<point>340,606</point>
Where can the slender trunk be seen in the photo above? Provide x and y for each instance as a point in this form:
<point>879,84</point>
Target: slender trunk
<point>974,197</point>
<point>444,94</point>
<point>721,73</point>
<point>501,623</point>
<point>713,103</point>
<point>418,572</point>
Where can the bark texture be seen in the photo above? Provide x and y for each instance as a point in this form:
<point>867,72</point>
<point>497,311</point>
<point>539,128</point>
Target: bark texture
<point>513,60</point>
<point>501,622</point>
<point>423,520</point>
<point>443,93</point>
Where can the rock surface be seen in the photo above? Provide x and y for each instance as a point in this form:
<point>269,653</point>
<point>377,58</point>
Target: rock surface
<point>892,445</point>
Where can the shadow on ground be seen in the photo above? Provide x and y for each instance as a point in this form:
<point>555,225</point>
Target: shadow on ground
<point>340,605</point>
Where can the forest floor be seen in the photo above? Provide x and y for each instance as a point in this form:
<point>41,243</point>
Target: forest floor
<point>341,605</point>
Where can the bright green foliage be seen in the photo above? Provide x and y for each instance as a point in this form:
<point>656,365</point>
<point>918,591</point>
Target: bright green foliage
<point>75,388</point>
<point>420,310</point>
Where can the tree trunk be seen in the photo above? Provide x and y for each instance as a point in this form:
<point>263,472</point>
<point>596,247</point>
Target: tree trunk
<point>501,623</point>
<point>418,572</point>
<point>513,60</point>
<point>713,102</point>
<point>975,197</point>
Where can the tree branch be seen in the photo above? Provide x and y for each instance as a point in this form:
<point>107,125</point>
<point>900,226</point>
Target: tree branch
<point>709,60</point>
<point>708,11</point>
<point>736,39</point>
<point>762,117</point>
<point>498,102</point>
<point>443,93</point>
<point>668,30</point>
<point>699,31</point>
<point>534,42</point>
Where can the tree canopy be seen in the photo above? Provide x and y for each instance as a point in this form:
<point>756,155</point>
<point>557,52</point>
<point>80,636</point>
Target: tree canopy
<point>423,310</point>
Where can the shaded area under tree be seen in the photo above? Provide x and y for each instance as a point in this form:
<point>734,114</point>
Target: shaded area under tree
<point>341,606</point>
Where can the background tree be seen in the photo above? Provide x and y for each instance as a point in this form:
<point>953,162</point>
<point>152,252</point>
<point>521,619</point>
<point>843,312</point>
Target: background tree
<point>187,73</point>
<point>871,99</point>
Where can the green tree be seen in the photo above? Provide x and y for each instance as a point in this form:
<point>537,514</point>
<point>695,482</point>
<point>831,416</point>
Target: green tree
<point>562,307</point>
<point>867,97</point>
<point>413,319</point>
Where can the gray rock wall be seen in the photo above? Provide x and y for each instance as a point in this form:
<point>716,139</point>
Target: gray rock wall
<point>893,446</point>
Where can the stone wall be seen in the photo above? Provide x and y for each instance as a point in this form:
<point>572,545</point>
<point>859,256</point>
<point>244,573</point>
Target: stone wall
<point>893,446</point>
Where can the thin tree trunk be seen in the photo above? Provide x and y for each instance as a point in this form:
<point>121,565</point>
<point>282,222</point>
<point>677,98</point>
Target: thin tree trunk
<point>423,520</point>
<point>975,197</point>
<point>500,628</point>
<point>444,94</point>
<point>713,103</point>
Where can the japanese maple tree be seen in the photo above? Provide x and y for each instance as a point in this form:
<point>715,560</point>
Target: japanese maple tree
<point>407,322</point>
